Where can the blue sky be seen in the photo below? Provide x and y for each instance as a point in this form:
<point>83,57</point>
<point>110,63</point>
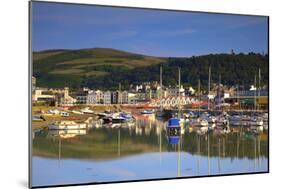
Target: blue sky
<point>150,32</point>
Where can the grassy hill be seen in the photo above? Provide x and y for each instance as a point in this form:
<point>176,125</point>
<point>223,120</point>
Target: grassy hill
<point>87,61</point>
<point>104,68</point>
<point>56,68</point>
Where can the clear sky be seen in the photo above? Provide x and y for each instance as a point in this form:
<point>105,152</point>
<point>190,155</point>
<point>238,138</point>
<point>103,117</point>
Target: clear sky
<point>150,32</point>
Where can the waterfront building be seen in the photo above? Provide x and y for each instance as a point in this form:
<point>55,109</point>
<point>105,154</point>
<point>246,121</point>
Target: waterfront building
<point>123,97</point>
<point>43,95</point>
<point>59,90</point>
<point>174,101</point>
<point>248,98</point>
<point>87,90</point>
<point>64,98</point>
<point>91,98</point>
<point>175,91</point>
<point>114,97</point>
<point>95,97</point>
<point>81,98</point>
<point>132,98</point>
<point>140,97</point>
<point>107,97</point>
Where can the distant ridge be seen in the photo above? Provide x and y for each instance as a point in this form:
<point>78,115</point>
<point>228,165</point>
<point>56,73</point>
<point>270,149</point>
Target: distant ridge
<point>105,68</point>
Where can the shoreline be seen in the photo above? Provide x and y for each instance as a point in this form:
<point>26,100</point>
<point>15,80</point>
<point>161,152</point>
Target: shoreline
<point>42,110</point>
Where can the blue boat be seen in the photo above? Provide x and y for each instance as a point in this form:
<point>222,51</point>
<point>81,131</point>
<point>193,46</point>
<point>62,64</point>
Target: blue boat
<point>174,122</point>
<point>173,131</point>
<point>128,117</point>
<point>173,140</point>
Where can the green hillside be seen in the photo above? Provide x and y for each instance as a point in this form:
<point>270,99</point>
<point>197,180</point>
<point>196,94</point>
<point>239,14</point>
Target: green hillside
<point>104,68</point>
<point>57,68</point>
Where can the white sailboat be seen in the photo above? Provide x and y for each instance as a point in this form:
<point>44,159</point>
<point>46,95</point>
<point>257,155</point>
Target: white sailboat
<point>160,112</point>
<point>201,121</point>
<point>87,110</point>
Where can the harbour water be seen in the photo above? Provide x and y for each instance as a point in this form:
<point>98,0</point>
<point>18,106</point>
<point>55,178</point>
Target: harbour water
<point>141,150</point>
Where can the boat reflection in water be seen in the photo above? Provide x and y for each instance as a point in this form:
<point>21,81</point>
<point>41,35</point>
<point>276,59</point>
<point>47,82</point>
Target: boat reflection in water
<point>145,149</point>
<point>173,131</point>
<point>67,133</point>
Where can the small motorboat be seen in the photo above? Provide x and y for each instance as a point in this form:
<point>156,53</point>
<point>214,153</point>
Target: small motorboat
<point>77,112</point>
<point>54,112</point>
<point>191,115</point>
<point>206,116</point>
<point>104,114</point>
<point>64,114</point>
<point>38,118</point>
<point>160,113</point>
<point>199,122</point>
<point>147,112</point>
<point>87,110</point>
<point>256,121</point>
<point>223,119</point>
<point>128,117</point>
<point>113,119</point>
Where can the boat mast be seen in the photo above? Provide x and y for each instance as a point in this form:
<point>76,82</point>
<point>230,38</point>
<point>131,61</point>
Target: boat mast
<point>161,85</point>
<point>120,93</point>
<point>259,91</point>
<point>255,84</point>
<point>238,97</point>
<point>179,79</point>
<point>199,96</point>
<point>209,84</point>
<point>220,92</point>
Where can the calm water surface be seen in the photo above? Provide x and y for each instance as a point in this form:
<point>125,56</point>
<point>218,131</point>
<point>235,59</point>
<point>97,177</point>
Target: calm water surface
<point>142,151</point>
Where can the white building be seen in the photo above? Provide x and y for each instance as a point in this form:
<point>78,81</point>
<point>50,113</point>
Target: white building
<point>123,97</point>
<point>66,99</point>
<point>176,91</point>
<point>132,98</point>
<point>81,98</point>
<point>173,101</point>
<point>95,97</point>
<point>43,95</point>
<point>107,97</point>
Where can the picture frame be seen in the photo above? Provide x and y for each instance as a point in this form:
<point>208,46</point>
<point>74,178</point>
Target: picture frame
<point>55,115</point>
